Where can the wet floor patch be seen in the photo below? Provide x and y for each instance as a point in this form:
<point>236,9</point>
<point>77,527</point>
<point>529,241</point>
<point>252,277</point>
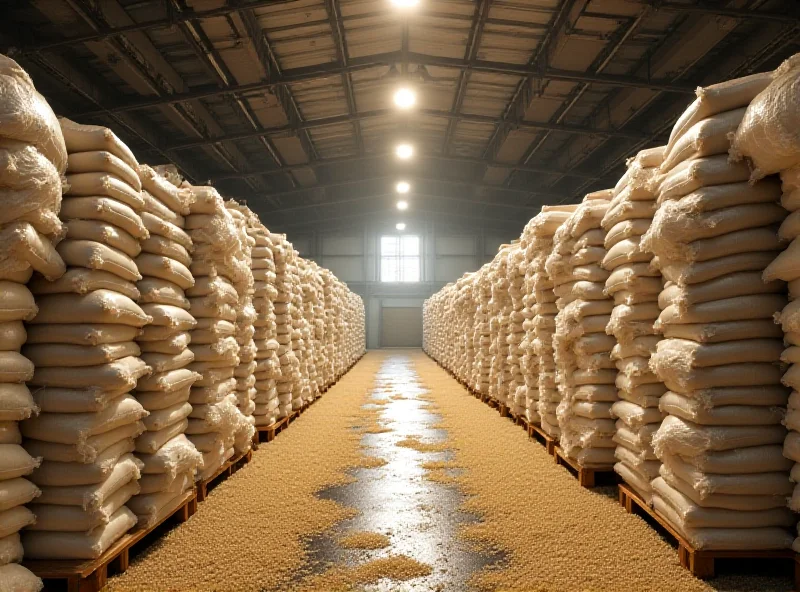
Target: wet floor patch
<point>408,499</point>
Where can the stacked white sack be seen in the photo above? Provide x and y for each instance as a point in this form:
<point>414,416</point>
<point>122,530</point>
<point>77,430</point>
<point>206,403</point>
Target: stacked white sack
<point>170,459</point>
<point>768,138</point>
<point>82,342</point>
<point>305,320</point>
<point>635,286</point>
<point>516,331</point>
<point>466,306</point>
<point>33,159</point>
<point>245,316</point>
<point>314,313</point>
<point>530,360</point>
<point>483,335</point>
<point>290,365</point>
<point>724,479</point>
<point>268,365</point>
<point>582,350</point>
<point>500,375</point>
<point>352,341</point>
<point>542,229</point>
<point>216,427</point>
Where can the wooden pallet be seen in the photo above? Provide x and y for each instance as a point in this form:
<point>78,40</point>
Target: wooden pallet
<point>537,433</point>
<point>268,433</point>
<point>503,409</point>
<point>91,575</point>
<point>226,470</point>
<point>521,420</point>
<point>701,563</point>
<point>586,477</point>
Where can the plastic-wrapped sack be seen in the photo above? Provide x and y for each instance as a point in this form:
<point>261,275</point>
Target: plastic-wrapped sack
<point>769,134</point>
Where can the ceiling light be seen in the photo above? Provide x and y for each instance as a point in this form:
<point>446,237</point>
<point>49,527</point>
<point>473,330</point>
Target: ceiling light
<point>404,3</point>
<point>403,187</point>
<point>400,226</point>
<point>405,98</point>
<point>402,205</point>
<point>404,151</point>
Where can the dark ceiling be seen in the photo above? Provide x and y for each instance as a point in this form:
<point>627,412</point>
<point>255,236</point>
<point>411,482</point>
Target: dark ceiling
<point>288,104</point>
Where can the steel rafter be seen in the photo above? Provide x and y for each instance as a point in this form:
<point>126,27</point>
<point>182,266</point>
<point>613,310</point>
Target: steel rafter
<point>321,163</point>
<point>471,53</point>
<point>335,70</point>
<point>339,38</point>
<point>413,177</point>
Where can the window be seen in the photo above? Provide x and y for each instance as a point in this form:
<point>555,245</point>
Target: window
<point>400,258</point>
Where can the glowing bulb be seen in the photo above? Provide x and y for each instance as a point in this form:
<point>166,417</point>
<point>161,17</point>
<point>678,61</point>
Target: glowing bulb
<point>405,98</point>
<point>400,226</point>
<point>403,187</point>
<point>402,205</point>
<point>404,3</point>
<point>404,151</point>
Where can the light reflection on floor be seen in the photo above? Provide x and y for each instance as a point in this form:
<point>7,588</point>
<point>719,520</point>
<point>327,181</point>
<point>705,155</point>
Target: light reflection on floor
<point>420,517</point>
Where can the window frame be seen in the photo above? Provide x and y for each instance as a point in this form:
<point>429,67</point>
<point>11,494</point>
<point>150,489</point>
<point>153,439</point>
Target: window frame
<point>399,258</point>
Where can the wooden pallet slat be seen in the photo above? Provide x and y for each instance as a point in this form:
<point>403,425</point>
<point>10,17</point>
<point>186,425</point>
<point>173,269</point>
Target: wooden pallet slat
<point>701,562</point>
<point>91,575</point>
<point>537,433</point>
<point>587,477</point>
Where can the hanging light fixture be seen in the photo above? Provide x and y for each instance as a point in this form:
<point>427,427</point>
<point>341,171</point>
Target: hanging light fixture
<point>402,187</point>
<point>402,205</point>
<point>400,226</point>
<point>405,98</point>
<point>404,151</point>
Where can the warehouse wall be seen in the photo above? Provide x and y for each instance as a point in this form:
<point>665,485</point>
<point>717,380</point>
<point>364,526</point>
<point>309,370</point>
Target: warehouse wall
<point>352,253</point>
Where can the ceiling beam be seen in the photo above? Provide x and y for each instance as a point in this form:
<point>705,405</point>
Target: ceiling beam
<point>470,117</point>
<point>103,33</point>
<point>413,177</point>
<point>335,70</point>
<point>544,170</point>
<point>741,14</point>
<point>423,196</point>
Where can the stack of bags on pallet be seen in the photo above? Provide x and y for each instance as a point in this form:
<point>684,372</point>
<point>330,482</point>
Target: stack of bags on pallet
<point>33,159</point>
<point>268,365</point>
<point>541,229</point>
<point>170,459</point>
<point>305,304</point>
<point>635,286</point>
<point>245,317</point>
<point>498,324</point>
<point>355,344</point>
<point>290,365</point>
<point>724,480</point>
<point>330,336</point>
<point>530,361</point>
<point>482,338</point>
<point>216,426</point>
<point>768,138</point>
<point>516,331</point>
<point>300,378</point>
<point>585,372</point>
<point>82,342</point>
<point>466,305</point>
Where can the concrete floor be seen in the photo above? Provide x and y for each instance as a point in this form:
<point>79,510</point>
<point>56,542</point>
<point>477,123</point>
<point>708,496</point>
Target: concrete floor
<point>420,517</point>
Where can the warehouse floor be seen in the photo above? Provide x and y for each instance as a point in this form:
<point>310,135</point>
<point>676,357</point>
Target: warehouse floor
<point>398,480</point>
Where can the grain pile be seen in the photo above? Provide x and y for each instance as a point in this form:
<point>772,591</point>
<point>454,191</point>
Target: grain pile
<point>723,480</point>
<point>82,342</point>
<point>226,535</point>
<point>216,427</point>
<point>585,372</point>
<point>767,137</point>
<point>635,286</point>
<point>33,160</point>
<point>170,460</point>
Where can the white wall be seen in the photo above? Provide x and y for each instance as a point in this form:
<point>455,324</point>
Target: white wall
<point>352,254</point>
